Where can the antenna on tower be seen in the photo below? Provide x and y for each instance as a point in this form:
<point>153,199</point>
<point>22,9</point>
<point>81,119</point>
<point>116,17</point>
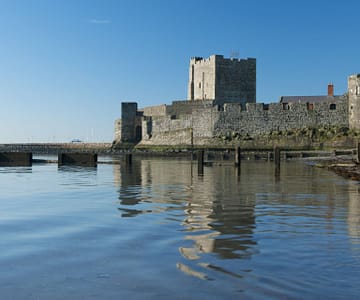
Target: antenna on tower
<point>234,54</point>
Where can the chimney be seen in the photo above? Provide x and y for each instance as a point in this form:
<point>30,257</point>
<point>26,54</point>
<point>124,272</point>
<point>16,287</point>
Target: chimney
<point>331,89</point>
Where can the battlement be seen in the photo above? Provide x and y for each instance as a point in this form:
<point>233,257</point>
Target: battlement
<point>216,57</point>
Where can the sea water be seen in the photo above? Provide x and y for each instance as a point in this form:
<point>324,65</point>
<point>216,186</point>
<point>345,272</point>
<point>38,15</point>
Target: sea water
<point>159,230</point>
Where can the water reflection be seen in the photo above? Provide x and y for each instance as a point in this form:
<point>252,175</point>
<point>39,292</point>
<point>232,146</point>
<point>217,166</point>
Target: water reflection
<point>128,178</point>
<point>74,176</point>
<point>217,217</point>
<point>219,212</point>
<point>16,170</point>
<point>354,213</point>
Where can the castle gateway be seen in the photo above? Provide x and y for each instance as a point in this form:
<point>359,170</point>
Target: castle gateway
<point>222,105</point>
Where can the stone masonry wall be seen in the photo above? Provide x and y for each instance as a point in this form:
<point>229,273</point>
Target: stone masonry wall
<point>159,110</point>
<point>261,119</point>
<point>117,126</point>
<point>236,80</point>
<point>222,78</point>
<point>354,101</point>
<point>179,108</point>
<point>181,128</point>
<point>128,121</point>
<point>202,78</point>
<point>209,120</point>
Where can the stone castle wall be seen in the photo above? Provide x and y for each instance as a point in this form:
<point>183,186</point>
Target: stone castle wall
<point>179,108</point>
<point>260,118</point>
<point>354,101</point>
<point>202,78</point>
<point>236,80</point>
<point>159,110</point>
<point>210,120</point>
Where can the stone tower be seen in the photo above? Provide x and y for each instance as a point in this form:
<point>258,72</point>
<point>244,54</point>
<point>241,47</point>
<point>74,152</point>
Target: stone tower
<point>130,126</point>
<point>354,101</point>
<point>223,79</point>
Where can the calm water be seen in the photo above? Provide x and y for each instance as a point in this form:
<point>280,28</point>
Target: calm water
<point>160,231</point>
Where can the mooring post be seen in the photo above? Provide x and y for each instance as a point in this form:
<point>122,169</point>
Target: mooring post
<point>237,157</point>
<point>358,153</point>
<point>128,159</point>
<point>200,159</point>
<point>277,160</point>
<point>269,156</point>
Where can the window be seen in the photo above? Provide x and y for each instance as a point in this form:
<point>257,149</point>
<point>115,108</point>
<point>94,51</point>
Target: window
<point>310,106</point>
<point>286,106</point>
<point>199,85</point>
<point>332,106</point>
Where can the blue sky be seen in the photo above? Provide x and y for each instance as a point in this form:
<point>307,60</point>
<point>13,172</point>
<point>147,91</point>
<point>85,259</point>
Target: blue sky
<point>65,66</point>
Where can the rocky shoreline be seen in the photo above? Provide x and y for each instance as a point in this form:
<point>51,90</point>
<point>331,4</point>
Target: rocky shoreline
<point>346,166</point>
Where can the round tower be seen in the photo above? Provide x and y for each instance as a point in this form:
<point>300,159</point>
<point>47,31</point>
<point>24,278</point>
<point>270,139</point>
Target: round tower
<point>354,101</point>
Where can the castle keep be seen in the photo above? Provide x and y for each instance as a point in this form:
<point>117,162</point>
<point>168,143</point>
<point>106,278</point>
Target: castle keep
<point>222,105</point>
<point>231,80</point>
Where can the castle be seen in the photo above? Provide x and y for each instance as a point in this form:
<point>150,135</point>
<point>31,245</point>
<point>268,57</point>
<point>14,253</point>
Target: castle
<point>222,104</point>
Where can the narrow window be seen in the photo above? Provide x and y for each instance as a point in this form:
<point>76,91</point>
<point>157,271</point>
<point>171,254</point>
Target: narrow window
<point>286,106</point>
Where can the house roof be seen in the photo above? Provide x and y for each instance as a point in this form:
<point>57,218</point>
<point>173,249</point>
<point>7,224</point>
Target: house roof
<point>308,99</point>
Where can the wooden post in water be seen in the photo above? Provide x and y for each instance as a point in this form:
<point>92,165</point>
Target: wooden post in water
<point>128,159</point>
<point>269,156</point>
<point>200,159</point>
<point>358,153</point>
<point>238,161</point>
<point>277,160</point>
<point>237,157</point>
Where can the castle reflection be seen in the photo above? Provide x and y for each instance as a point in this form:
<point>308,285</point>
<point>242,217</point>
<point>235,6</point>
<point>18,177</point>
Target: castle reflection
<point>218,213</point>
<point>354,214</point>
<point>215,215</point>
